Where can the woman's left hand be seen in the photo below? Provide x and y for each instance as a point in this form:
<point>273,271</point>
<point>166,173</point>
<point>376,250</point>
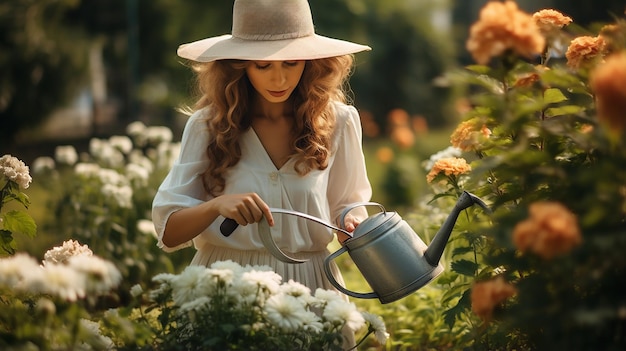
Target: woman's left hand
<point>350,223</point>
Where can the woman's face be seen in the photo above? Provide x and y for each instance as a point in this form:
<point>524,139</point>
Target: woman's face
<point>275,80</point>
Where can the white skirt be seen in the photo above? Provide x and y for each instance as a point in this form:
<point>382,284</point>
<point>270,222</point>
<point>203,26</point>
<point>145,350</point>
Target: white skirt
<point>310,273</point>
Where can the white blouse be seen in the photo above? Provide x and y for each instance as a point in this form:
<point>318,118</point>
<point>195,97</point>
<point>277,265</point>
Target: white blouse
<point>320,193</point>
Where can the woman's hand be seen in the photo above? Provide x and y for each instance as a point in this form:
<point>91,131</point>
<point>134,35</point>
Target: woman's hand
<point>243,208</point>
<point>350,223</point>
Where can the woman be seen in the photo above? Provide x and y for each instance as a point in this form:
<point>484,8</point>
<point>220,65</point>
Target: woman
<point>271,129</point>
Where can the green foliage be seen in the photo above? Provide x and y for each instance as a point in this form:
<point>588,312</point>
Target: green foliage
<point>546,147</point>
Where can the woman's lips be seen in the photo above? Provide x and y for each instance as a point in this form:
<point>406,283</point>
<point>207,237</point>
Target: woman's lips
<point>278,93</point>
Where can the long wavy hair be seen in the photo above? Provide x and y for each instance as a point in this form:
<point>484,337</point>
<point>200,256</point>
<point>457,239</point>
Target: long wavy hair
<point>224,89</point>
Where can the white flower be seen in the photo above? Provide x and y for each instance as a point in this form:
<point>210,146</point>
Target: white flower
<point>100,275</point>
<point>136,290</point>
<point>268,281</point>
<point>57,279</point>
<point>137,174</point>
<point>135,130</point>
<point>340,312</point>
<point>167,153</point>
<point>43,164</point>
<point>299,291</point>
<point>121,143</point>
<point>66,154</point>
<point>93,328</point>
<point>137,157</point>
<point>195,305</point>
<point>324,296</point>
<point>228,264</point>
<point>15,170</point>
<point>146,226</point>
<point>165,285</point>
<point>191,284</point>
<point>286,312</point>
<point>103,151</point>
<point>13,269</point>
<point>87,170</point>
<point>377,325</point>
<point>121,195</point>
<point>69,248</point>
<point>158,134</point>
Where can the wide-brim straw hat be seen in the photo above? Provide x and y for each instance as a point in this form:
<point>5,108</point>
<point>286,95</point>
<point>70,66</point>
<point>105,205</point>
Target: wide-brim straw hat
<point>269,30</point>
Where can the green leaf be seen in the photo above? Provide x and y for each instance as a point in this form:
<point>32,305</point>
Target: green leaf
<point>20,222</point>
<point>6,242</point>
<point>464,267</point>
<point>553,95</point>
<point>563,110</point>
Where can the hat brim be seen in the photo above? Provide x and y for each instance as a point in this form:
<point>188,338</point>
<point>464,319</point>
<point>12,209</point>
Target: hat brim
<point>304,48</point>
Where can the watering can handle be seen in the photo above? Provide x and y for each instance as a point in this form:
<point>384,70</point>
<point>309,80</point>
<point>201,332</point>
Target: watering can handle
<point>342,217</point>
<point>333,281</point>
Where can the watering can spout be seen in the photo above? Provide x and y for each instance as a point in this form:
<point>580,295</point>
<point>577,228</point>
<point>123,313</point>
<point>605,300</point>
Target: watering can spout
<point>435,249</point>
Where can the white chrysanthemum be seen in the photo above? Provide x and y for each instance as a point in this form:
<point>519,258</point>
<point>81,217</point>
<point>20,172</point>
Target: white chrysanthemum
<point>136,290</point>
<point>311,322</point>
<point>111,176</point>
<point>135,128</point>
<point>222,276</point>
<point>195,305</point>
<point>121,195</point>
<point>165,285</point>
<point>268,281</point>
<point>58,280</point>
<point>146,226</point>
<point>137,174</point>
<point>13,269</point>
<point>98,340</point>
<point>286,312</point>
<point>137,157</point>
<point>377,325</point>
<point>340,312</point>
<point>299,291</point>
<point>229,265</point>
<point>104,152</point>
<point>66,154</point>
<point>191,284</point>
<point>43,164</point>
<point>69,248</point>
<point>87,170</point>
<point>101,275</point>
<point>121,143</point>
<point>450,151</point>
<point>324,296</point>
<point>158,134</point>
<point>15,170</point>
<point>167,153</point>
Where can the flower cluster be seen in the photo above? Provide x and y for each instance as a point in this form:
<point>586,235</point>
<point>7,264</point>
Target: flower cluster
<point>608,82</point>
<point>470,135</point>
<point>489,294</point>
<point>78,275</point>
<point>449,166</point>
<point>15,170</point>
<point>502,27</point>
<point>550,230</point>
<point>44,305</point>
<point>227,305</point>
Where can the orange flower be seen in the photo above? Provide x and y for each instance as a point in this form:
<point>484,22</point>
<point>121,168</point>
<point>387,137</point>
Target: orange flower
<point>469,136</point>
<point>549,20</point>
<point>449,166</point>
<point>502,27</point>
<point>585,51</point>
<point>403,137</point>
<point>608,82</point>
<point>384,155</point>
<point>614,35</point>
<point>369,125</point>
<point>550,230</point>
<point>487,295</point>
<point>527,80</point>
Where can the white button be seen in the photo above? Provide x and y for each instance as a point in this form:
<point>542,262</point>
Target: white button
<point>274,176</point>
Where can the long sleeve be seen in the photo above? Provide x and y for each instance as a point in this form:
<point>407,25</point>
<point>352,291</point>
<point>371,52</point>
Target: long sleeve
<point>348,182</point>
<point>183,187</point>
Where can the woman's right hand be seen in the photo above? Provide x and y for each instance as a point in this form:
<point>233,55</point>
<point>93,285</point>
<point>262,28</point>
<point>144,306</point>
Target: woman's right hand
<point>243,208</point>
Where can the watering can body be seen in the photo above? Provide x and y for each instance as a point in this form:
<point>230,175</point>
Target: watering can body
<point>390,256</point>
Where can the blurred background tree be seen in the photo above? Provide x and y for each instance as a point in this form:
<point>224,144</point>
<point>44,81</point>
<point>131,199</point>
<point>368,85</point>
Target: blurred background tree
<point>119,57</point>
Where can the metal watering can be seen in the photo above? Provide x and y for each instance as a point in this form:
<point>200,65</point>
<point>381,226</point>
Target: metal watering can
<point>389,254</point>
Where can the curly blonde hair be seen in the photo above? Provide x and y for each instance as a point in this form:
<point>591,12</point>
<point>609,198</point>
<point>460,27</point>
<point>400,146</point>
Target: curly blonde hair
<point>224,88</point>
